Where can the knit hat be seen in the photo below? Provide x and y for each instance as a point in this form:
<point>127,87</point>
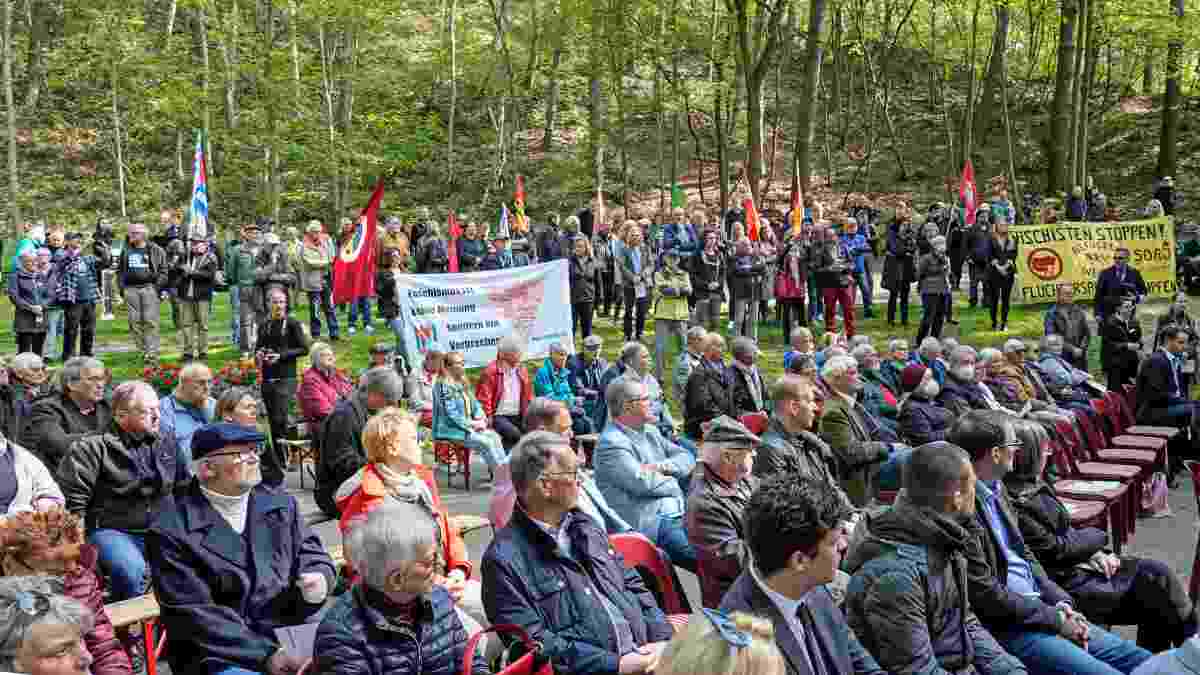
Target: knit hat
<point>911,377</point>
<point>729,434</point>
<point>1013,345</point>
<point>314,227</point>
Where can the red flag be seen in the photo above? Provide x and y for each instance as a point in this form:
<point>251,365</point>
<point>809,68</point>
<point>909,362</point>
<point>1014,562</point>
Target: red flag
<point>354,269</point>
<point>966,192</point>
<point>797,201</point>
<point>455,233</point>
<point>519,205</point>
<point>752,223</point>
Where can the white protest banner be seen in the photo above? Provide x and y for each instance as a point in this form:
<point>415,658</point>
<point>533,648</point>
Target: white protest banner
<point>471,313</point>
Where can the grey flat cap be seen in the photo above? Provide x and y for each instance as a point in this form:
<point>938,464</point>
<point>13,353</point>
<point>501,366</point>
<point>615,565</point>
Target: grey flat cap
<point>592,342</point>
<point>728,433</point>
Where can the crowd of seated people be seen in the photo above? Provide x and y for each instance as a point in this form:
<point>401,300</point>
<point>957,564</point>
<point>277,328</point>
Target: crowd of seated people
<point>769,491</point>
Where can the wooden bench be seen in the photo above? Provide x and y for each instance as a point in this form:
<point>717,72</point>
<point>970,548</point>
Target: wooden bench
<point>142,610</point>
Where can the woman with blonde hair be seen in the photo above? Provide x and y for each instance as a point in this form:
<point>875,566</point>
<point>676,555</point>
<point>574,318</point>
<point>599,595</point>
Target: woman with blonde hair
<point>457,415</point>
<point>395,473</point>
<point>737,644</point>
<point>635,269</point>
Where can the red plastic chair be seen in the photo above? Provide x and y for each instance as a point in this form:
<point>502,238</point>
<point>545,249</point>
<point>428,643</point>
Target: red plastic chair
<point>1194,586</point>
<point>755,422</point>
<point>638,551</point>
<point>1104,449</point>
<point>1091,481</point>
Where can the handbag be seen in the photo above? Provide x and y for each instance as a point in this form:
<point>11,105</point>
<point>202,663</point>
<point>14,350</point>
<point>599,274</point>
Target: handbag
<point>531,662</point>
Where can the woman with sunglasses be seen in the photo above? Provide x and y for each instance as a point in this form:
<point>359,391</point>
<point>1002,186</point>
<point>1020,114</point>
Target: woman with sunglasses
<point>457,415</point>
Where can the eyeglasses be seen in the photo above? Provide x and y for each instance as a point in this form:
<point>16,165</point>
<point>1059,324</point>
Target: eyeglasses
<point>575,476</point>
<point>1121,258</point>
<point>241,456</point>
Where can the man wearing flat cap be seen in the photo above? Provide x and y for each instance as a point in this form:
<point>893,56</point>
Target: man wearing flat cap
<point>142,275</point>
<point>232,562</point>
<point>721,487</point>
<point>314,264</point>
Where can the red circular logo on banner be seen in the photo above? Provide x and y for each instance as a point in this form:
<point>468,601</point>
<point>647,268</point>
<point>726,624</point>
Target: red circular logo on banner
<point>1045,264</point>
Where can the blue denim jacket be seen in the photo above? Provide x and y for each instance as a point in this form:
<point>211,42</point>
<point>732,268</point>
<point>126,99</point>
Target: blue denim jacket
<point>641,497</point>
<point>451,418</point>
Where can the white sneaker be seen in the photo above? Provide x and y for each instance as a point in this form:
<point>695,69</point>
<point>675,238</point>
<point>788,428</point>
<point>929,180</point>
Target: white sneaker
<point>351,330</point>
<point>108,317</point>
<point>369,330</point>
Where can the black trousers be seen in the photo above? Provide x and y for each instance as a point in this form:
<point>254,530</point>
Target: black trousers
<point>581,313</point>
<point>31,342</point>
<point>79,320</point>
<point>934,317</point>
<point>792,308</point>
<point>638,306</point>
<point>1000,297</point>
<point>1143,593</point>
<point>510,428</point>
<point>277,396</point>
<point>899,294</point>
<point>604,292</point>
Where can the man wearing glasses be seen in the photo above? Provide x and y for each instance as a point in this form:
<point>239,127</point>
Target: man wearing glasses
<point>189,407</point>
<point>118,479</point>
<point>59,420</point>
<point>1116,283</point>
<point>233,561</point>
<point>552,571</point>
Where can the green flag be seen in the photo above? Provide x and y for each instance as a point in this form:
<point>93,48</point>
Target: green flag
<point>678,199</point>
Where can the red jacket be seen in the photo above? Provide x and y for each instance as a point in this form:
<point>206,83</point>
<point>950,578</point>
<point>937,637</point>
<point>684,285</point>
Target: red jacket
<point>84,585</point>
<point>371,493</point>
<point>490,389</point>
<point>318,393</point>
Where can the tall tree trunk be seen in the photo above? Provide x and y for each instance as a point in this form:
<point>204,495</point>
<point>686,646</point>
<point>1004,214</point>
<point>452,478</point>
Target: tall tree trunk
<point>552,89</point>
<point>808,97</point>
<point>14,186</point>
<point>659,113</point>
<point>1087,81</point>
<point>1168,150</point>
<point>983,115</point>
<point>1014,187</point>
<point>968,128</point>
<point>200,38</point>
<point>719,126</point>
<point>1148,72</point>
<point>116,121</point>
<point>452,35</point>
<point>335,176</point>
<point>1061,112</point>
<point>596,96</point>
<point>179,174</point>
<point>294,46</point>
<point>229,54</point>
<point>1083,23</point>
<point>41,19</point>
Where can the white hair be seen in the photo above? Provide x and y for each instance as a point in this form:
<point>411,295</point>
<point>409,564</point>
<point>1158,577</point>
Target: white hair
<point>837,366</point>
<point>620,392</point>
<point>930,344</point>
<point>895,343</point>
<point>989,354</point>
<point>861,353</point>
<point>391,535</point>
<point>532,455</point>
<point>960,353</point>
<point>509,345</point>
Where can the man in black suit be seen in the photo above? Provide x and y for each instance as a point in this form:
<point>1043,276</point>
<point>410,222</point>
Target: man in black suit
<point>795,529</point>
<point>1162,394</point>
<point>1116,283</point>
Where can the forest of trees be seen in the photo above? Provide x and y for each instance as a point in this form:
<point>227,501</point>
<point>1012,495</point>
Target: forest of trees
<point>305,103</point>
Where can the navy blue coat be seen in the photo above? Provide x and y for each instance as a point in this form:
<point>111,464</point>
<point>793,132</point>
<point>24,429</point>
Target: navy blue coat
<point>356,638</point>
<point>923,421</point>
<point>221,607</point>
<point>527,581</point>
<point>959,397</point>
<point>1110,289</point>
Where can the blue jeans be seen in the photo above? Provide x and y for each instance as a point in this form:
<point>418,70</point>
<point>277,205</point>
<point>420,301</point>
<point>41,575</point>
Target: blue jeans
<point>672,538</point>
<point>234,670</point>
<point>235,326</point>
<point>319,303</point>
<point>363,306</point>
<point>866,286</point>
<point>1046,654</point>
<point>54,333</point>
<point>123,558</point>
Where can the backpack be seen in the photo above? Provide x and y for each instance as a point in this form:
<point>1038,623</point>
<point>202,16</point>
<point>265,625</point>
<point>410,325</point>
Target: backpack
<point>439,255</point>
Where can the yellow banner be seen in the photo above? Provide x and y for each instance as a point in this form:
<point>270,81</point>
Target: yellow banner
<point>1076,253</point>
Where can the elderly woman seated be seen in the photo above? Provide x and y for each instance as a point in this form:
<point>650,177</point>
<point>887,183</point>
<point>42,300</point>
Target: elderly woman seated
<point>25,482</point>
<point>51,543</point>
<point>394,474</point>
<point>322,384</point>
<point>397,619</point>
<point>25,380</point>
<point>42,632</point>
<point>1106,588</point>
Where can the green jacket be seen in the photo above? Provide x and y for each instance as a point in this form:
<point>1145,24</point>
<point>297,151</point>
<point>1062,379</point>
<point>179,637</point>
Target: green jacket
<point>858,457</point>
<point>239,266</point>
<point>673,291</point>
